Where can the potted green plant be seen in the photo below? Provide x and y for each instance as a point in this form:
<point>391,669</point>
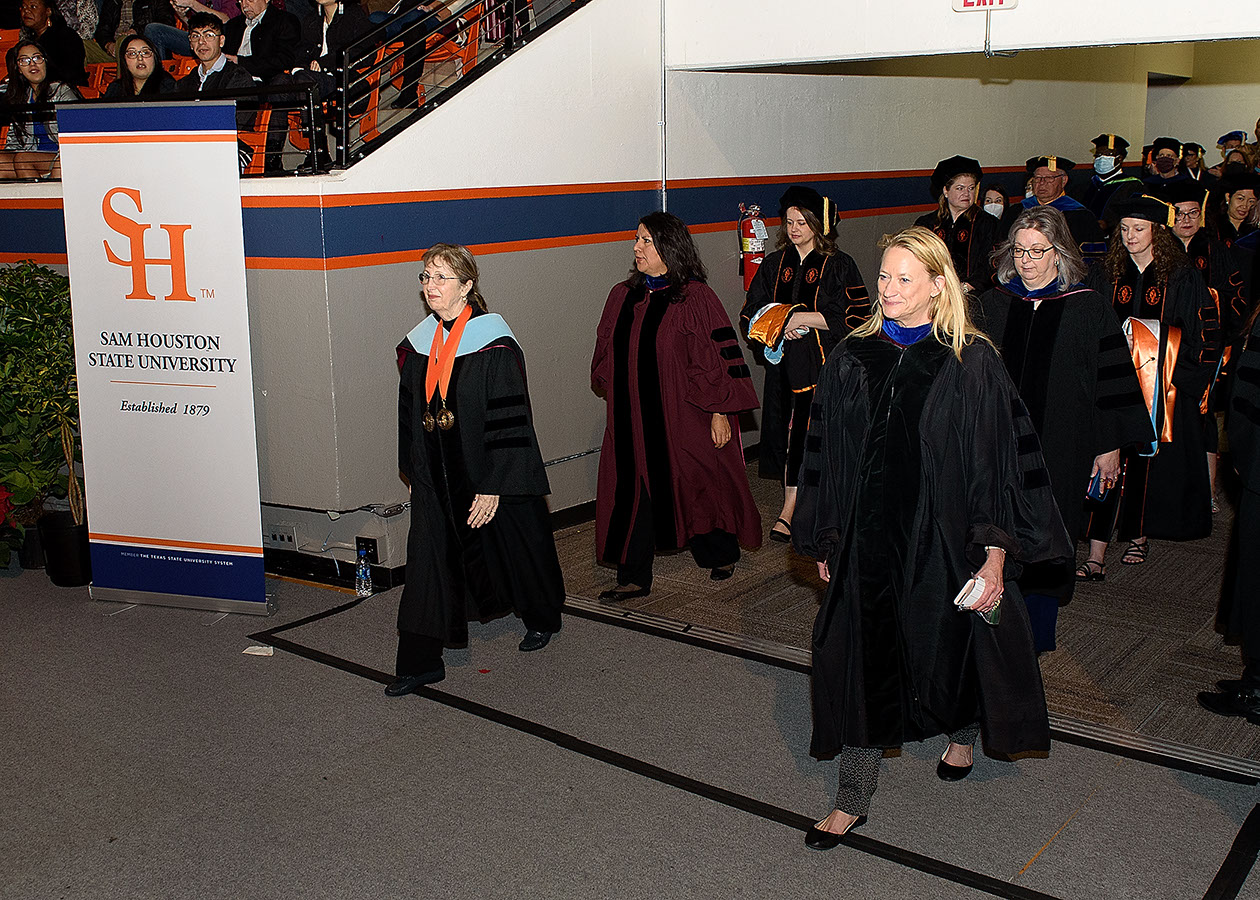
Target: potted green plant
<point>39,410</point>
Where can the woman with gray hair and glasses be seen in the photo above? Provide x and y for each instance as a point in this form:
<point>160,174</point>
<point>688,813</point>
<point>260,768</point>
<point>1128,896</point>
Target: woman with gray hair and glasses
<point>1063,347</point>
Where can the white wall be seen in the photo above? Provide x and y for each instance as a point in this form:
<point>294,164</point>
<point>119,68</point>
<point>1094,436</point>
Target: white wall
<point>811,30</point>
<point>1000,111</point>
<point>1220,96</point>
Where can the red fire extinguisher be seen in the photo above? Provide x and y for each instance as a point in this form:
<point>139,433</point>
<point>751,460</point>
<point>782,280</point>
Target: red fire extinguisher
<point>752,242</point>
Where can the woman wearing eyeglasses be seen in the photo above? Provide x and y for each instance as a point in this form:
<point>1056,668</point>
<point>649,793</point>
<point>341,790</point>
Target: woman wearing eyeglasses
<point>669,367</point>
<point>31,151</point>
<point>480,543</point>
<point>140,71</point>
<point>1063,347</point>
<point>1164,490</point>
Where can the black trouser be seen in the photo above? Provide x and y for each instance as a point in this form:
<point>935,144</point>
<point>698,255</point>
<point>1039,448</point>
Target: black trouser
<point>713,550</point>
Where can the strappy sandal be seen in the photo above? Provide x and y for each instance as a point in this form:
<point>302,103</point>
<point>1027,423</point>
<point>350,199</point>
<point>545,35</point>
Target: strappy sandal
<point>783,537</point>
<point>1135,553</point>
<point>1091,570</point>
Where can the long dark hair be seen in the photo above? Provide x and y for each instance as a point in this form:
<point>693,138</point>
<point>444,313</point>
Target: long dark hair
<point>153,82</point>
<point>1167,252</point>
<point>16,86</point>
<point>676,248</point>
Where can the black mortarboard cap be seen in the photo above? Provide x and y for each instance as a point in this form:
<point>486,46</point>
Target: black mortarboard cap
<point>1144,206</point>
<point>948,169</point>
<point>1167,143</point>
<point>809,199</point>
<point>1105,143</point>
<point>1053,163</point>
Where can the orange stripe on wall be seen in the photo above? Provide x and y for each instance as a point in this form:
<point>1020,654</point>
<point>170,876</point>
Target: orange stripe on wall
<point>199,138</point>
<point>45,259</point>
<point>159,542</point>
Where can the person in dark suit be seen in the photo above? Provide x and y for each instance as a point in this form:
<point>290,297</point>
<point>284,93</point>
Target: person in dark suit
<point>215,72</point>
<point>262,40</point>
<point>321,56</point>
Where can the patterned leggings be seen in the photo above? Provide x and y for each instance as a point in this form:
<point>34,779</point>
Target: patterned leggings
<point>859,772</point>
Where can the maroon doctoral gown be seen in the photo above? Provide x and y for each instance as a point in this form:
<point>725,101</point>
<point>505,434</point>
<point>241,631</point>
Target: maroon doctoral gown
<point>664,363</point>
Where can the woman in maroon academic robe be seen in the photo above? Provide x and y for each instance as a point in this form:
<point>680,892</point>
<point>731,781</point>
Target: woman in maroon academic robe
<point>668,364</point>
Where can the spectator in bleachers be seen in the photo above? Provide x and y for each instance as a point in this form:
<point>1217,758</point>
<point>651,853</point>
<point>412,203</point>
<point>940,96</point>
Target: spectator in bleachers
<point>81,17</point>
<point>120,18</point>
<point>263,40</point>
<point>215,72</point>
<point>30,150</point>
<point>173,41</point>
<point>62,48</point>
<point>432,16</point>
<point>320,58</point>
<point>140,72</point>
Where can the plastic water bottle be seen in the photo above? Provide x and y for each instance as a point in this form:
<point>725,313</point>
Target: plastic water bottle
<point>363,576</point>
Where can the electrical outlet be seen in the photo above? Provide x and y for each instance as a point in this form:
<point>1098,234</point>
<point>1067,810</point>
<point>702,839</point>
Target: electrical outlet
<point>368,544</point>
<point>281,536</point>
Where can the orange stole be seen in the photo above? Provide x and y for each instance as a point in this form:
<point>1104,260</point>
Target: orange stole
<point>768,327</point>
<point>1149,339</point>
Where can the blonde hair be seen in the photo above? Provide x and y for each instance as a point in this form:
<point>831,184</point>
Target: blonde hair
<point>951,324</point>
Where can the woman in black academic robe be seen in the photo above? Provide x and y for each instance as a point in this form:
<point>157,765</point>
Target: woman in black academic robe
<point>1065,353</point>
<point>922,470</point>
<point>1239,617</point>
<point>805,297</point>
<point>480,543</point>
<point>1146,276</point>
<point>967,230</point>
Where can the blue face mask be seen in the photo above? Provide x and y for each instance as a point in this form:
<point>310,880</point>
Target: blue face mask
<point>1104,165</point>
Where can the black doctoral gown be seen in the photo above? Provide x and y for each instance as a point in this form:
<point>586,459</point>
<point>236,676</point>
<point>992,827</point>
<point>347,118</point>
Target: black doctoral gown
<point>1176,500</point>
<point>1101,193</point>
<point>831,285</point>
<point>456,572</point>
<point>1071,364</point>
<point>1240,596</point>
<point>916,462</point>
<point>970,239</point>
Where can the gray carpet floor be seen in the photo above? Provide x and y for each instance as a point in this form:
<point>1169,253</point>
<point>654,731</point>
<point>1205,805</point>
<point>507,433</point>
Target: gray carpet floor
<point>1133,650</point>
<point>146,756</point>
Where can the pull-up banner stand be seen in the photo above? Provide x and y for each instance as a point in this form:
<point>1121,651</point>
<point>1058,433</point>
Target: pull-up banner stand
<point>152,204</point>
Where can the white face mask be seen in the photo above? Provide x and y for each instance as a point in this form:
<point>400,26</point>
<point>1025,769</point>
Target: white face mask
<point>995,209</point>
<point>1103,165</point>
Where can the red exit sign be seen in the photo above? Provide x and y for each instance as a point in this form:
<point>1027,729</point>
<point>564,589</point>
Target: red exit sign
<point>983,5</point>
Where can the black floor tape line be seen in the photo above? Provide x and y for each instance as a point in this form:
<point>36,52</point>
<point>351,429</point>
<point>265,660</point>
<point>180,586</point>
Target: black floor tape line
<point>769,812</point>
<point>1239,861</point>
<point>1153,757</point>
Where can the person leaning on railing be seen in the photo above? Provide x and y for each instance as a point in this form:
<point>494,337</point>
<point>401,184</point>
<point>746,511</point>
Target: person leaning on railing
<point>31,150</point>
<point>140,72</point>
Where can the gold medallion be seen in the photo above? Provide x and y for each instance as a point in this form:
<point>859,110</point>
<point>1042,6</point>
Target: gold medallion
<point>446,419</point>
<point>429,422</point>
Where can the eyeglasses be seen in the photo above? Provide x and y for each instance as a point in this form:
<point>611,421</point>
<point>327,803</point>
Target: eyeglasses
<point>199,36</point>
<point>30,60</point>
<point>1031,252</point>
<point>1049,177</point>
<point>441,279</point>
<point>1189,214</point>
<point>139,54</point>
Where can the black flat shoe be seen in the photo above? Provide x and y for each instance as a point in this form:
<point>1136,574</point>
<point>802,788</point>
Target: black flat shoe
<point>409,684</point>
<point>612,595</point>
<point>534,640</point>
<point>782,537</point>
<point>721,573</point>
<point>818,839</point>
<point>1229,685</point>
<point>947,772</point>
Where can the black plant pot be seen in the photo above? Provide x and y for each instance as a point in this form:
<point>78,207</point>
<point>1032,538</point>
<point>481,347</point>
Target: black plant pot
<point>67,558</point>
<point>31,554</point>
